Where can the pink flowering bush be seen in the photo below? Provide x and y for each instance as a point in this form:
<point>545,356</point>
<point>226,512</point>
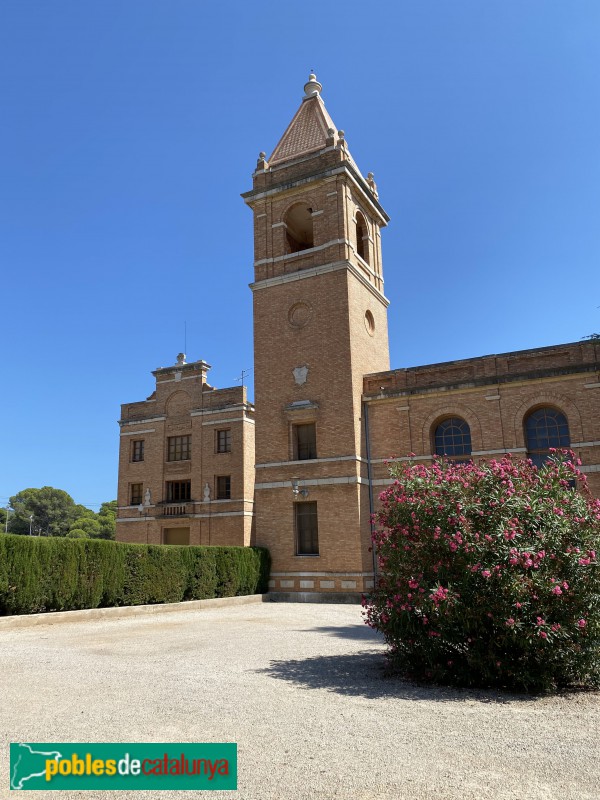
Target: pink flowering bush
<point>489,576</point>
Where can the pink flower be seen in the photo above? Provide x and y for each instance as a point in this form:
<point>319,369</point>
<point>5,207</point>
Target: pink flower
<point>557,590</point>
<point>413,584</point>
<point>486,573</point>
<point>582,623</point>
<point>510,622</point>
<point>543,634</point>
<point>540,621</point>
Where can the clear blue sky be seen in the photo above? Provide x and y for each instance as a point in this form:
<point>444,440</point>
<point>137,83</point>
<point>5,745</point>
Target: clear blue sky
<point>130,128</point>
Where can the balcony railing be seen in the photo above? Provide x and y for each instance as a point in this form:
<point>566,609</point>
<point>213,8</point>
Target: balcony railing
<point>176,508</point>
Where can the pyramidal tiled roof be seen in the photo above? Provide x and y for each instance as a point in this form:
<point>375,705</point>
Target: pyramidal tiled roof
<point>307,131</point>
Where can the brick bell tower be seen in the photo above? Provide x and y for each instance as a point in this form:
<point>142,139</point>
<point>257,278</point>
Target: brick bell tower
<point>320,324</point>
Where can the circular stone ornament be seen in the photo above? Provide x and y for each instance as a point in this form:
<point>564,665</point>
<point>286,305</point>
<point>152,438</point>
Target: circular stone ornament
<point>299,314</point>
<point>370,323</point>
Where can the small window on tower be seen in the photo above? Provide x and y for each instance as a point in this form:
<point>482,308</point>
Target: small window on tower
<point>299,228</point>
<point>305,441</point>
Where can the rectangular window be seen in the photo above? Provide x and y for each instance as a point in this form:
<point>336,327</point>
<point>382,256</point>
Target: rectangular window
<point>136,491</point>
<point>305,441</point>
<point>179,448</point>
<point>223,441</point>
<point>137,450</point>
<point>307,529</point>
<point>224,487</point>
<point>179,491</point>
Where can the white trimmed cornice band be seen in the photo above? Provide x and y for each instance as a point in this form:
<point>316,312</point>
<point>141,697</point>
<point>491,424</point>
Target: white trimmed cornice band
<point>351,479</point>
<point>136,433</point>
<point>308,462</point>
<point>320,270</point>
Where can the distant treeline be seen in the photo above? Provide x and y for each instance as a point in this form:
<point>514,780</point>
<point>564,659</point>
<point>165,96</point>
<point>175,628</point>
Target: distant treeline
<point>53,512</point>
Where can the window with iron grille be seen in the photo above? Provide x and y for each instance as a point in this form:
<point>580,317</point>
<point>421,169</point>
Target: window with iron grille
<point>223,441</point>
<point>137,450</point>
<point>305,441</point>
<point>136,491</point>
<point>224,487</point>
<point>179,491</point>
<point>307,530</point>
<point>545,428</point>
<point>179,448</point>
<point>452,439</point>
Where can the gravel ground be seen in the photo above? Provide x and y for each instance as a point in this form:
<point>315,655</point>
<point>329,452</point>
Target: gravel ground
<point>300,689</point>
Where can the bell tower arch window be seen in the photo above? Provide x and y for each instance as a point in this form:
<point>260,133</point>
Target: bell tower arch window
<point>299,228</point>
<point>362,237</point>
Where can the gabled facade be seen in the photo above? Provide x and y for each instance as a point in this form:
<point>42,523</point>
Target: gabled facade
<point>186,462</point>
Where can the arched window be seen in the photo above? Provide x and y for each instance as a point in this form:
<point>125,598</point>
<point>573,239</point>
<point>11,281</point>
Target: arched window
<point>452,439</point>
<point>545,428</point>
<point>362,237</point>
<point>299,228</point>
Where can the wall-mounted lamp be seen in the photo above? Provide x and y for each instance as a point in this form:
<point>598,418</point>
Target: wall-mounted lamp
<point>297,490</point>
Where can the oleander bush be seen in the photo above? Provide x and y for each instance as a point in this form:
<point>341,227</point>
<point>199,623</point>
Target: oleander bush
<point>60,574</point>
<point>489,575</point>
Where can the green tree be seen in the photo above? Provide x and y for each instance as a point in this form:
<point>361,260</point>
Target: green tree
<point>107,517</point>
<point>53,511</point>
<point>89,524</point>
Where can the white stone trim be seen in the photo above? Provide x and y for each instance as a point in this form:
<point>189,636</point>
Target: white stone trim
<point>178,380</point>
<point>300,253</point>
<point>141,421</point>
<point>590,468</point>
<point>326,177</point>
<point>229,419</point>
<point>279,225</point>
<point>403,458</point>
<point>591,385</point>
<point>309,461</point>
<point>187,516</point>
<point>584,444</point>
<point>205,411</point>
<point>321,270</point>
<point>499,452</point>
<point>347,480</point>
<point>135,433</point>
<point>492,397</point>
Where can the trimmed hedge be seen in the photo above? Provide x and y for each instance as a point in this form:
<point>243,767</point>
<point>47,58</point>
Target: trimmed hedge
<point>61,574</point>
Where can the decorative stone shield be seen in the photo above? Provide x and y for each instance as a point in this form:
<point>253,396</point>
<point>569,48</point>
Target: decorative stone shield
<point>300,375</point>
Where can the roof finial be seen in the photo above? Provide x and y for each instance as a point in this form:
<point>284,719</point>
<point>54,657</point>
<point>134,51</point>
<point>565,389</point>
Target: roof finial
<point>313,87</point>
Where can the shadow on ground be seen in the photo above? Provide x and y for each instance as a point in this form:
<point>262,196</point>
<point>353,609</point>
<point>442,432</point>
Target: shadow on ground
<point>360,633</point>
<point>363,675</point>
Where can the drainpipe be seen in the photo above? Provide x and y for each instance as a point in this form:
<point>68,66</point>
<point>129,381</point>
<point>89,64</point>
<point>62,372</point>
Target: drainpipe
<point>370,480</point>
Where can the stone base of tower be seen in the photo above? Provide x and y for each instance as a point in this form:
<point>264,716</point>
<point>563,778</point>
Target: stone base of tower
<point>352,598</point>
<point>323,583</point>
